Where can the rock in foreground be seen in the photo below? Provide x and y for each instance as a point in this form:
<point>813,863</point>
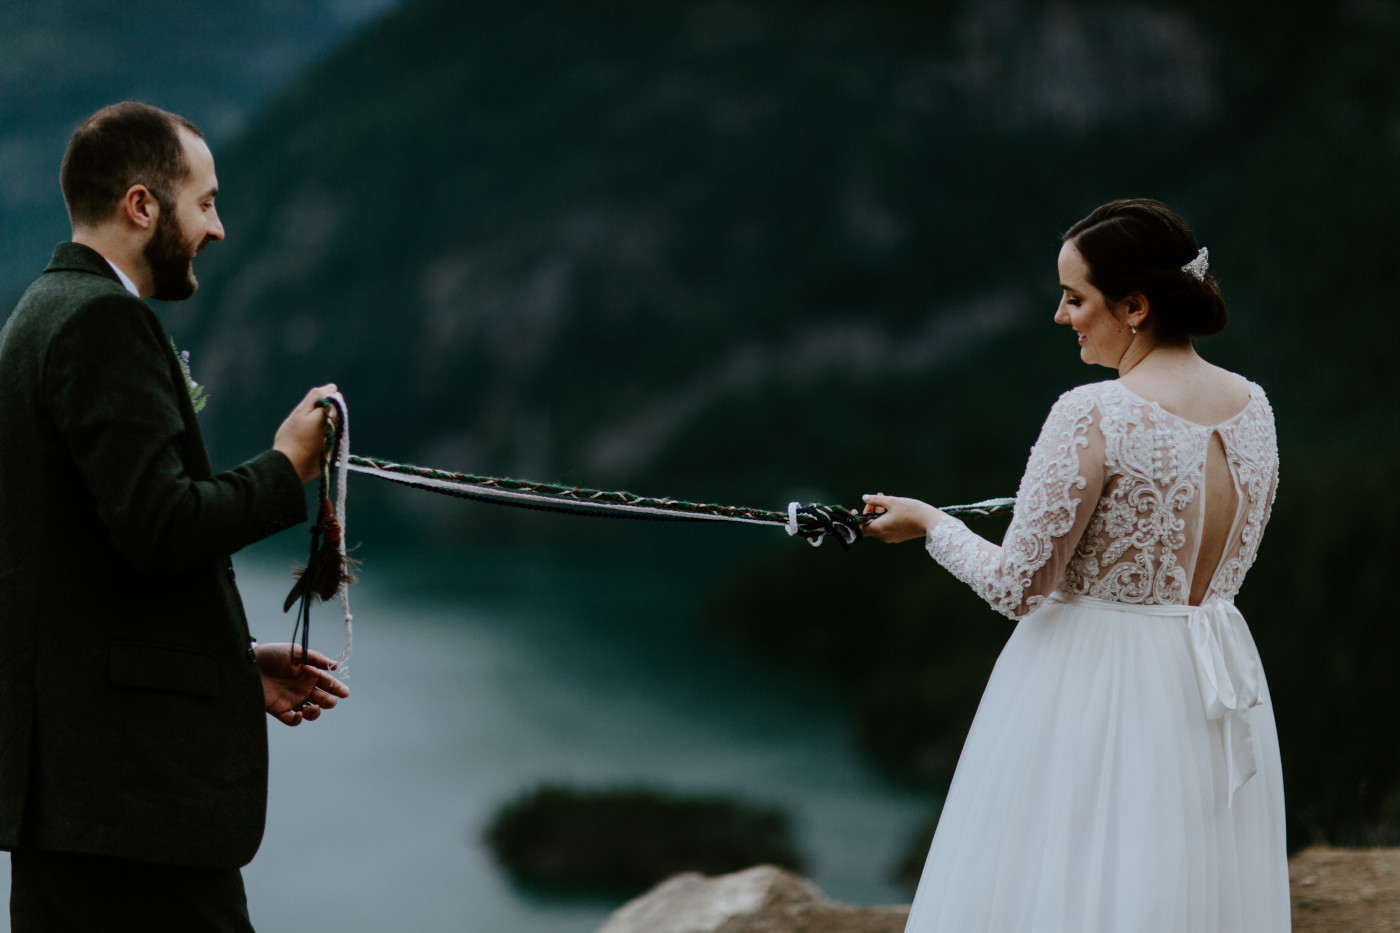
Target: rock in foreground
<point>1334,891</point>
<point>759,900</point>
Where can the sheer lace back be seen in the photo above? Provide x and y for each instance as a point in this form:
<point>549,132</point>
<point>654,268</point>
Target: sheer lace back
<point>1113,504</point>
<point>1143,541</point>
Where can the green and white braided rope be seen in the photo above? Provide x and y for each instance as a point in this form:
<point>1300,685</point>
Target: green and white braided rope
<point>812,522</point>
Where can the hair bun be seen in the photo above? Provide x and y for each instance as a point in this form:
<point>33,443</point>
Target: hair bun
<point>1202,310</point>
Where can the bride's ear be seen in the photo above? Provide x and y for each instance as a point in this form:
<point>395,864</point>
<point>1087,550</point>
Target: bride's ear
<point>1134,309</point>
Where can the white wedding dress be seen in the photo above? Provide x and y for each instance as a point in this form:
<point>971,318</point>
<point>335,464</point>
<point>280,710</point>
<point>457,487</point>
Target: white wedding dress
<point>1122,774</point>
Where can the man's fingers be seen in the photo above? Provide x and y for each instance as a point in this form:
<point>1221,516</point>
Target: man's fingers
<point>332,686</point>
<point>314,658</point>
<point>323,699</point>
<point>318,393</point>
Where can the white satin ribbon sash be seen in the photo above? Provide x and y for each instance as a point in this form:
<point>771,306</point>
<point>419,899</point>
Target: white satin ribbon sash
<point>1227,672</point>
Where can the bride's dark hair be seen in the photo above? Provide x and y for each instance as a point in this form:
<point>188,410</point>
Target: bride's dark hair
<point>1139,245</point>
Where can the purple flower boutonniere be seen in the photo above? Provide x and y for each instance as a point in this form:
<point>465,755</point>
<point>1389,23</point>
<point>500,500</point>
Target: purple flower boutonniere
<point>198,397</point>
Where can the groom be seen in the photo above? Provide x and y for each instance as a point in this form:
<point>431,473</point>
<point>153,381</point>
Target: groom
<point>133,751</point>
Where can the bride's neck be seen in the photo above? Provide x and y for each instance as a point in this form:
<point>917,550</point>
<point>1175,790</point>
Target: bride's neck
<point>1145,357</point>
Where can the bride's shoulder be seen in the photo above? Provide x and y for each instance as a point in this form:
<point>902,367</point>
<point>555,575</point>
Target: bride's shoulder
<point>1230,377</point>
<point>1258,398</point>
<point>1088,393</point>
<point>1080,402</point>
<point>1256,391</point>
<point>1245,392</point>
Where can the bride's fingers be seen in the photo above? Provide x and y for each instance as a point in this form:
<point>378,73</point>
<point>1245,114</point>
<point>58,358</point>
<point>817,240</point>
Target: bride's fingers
<point>875,502</point>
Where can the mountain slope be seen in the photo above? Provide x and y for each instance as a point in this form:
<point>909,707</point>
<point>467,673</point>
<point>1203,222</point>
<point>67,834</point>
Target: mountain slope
<point>768,248</point>
<point>60,60</point>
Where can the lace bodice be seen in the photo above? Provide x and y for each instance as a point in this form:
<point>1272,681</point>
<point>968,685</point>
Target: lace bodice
<point>1112,505</point>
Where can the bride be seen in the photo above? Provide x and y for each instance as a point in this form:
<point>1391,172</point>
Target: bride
<point>1122,773</point>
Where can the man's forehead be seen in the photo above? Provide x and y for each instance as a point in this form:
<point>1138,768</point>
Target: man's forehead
<point>200,159</point>
<point>194,145</point>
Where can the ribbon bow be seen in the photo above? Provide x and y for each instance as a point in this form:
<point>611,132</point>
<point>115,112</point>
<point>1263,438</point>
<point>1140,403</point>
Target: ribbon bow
<point>1227,672</point>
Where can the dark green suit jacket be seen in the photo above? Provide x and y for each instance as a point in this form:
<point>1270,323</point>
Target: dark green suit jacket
<point>131,711</point>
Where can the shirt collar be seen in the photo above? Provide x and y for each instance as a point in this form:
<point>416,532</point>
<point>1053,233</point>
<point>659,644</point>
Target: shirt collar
<point>130,285</point>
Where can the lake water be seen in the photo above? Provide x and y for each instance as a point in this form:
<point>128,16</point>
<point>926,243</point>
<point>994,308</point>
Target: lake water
<point>481,673</point>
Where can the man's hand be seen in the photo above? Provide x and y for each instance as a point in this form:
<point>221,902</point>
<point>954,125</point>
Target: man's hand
<point>295,691</point>
<point>303,434</point>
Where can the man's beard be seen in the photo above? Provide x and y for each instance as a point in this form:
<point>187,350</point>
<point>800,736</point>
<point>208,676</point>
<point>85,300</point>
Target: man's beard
<point>168,256</point>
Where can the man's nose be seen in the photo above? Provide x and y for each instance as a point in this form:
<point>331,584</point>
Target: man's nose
<point>215,229</point>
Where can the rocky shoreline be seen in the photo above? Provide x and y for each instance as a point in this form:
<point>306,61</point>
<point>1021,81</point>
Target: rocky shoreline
<point>1333,891</point>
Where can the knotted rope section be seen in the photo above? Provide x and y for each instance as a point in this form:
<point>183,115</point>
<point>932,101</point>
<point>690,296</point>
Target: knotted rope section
<point>329,570</point>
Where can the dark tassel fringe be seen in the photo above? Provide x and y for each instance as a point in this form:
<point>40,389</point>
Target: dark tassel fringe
<point>326,568</point>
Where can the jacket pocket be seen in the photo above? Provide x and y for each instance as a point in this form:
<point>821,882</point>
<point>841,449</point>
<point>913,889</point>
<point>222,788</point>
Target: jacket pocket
<point>162,667</point>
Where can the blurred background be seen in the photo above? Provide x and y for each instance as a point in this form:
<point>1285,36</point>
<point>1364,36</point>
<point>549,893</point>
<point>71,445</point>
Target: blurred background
<point>744,251</point>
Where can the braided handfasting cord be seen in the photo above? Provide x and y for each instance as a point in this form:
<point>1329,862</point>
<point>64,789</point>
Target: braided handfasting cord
<point>329,569</point>
<point>812,522</point>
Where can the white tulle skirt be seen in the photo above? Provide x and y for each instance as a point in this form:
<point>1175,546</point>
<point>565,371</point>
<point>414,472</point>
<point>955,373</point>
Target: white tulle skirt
<point>1093,794</point>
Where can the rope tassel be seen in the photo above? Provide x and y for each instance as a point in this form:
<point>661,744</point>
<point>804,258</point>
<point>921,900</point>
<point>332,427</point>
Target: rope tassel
<point>329,569</point>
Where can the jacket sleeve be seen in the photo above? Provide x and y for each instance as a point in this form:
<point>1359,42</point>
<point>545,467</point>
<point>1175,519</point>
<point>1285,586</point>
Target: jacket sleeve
<point>110,388</point>
<point>1062,483</point>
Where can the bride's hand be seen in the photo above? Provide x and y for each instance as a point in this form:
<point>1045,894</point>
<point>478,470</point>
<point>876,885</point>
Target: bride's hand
<point>900,519</point>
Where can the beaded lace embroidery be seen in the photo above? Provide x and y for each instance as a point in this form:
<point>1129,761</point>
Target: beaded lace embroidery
<point>1128,476</point>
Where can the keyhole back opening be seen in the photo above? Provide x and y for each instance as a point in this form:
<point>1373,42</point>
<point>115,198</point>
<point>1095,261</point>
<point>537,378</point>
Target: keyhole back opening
<point>1220,501</point>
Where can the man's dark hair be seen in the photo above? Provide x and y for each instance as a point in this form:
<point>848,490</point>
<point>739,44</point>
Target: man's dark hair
<point>119,146</point>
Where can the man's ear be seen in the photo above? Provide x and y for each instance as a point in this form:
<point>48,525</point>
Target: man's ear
<point>140,208</point>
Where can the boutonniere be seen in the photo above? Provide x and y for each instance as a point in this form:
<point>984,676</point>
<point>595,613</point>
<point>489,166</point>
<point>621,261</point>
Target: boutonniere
<point>198,397</point>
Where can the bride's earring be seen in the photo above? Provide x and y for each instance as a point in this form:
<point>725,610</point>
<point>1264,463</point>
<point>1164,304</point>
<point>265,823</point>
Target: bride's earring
<point>1132,328</point>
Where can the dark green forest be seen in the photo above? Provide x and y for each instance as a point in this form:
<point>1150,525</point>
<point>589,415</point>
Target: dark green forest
<point>61,60</point>
<point>757,251</point>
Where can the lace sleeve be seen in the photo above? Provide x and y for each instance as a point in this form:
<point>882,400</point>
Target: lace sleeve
<point>1066,468</point>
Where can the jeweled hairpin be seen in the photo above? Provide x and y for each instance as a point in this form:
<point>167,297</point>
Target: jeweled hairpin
<point>1198,266</point>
